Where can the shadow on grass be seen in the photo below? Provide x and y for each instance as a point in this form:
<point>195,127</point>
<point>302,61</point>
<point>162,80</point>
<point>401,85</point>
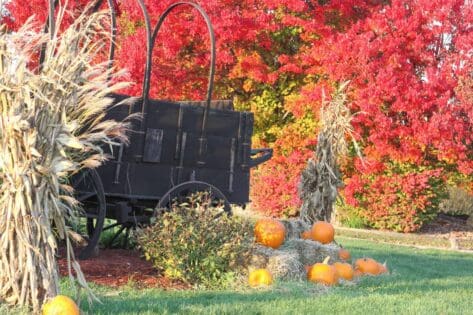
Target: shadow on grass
<point>154,302</point>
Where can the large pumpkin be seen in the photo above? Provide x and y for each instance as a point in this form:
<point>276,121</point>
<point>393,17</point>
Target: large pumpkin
<point>368,266</point>
<point>323,273</point>
<point>260,277</point>
<point>323,232</point>
<point>344,270</point>
<point>61,305</point>
<point>270,232</point>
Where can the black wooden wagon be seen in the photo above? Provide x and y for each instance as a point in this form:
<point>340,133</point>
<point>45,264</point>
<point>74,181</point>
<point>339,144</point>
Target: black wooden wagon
<point>174,149</point>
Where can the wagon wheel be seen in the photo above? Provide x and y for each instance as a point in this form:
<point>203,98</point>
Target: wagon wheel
<point>185,189</point>
<point>90,193</point>
<point>124,229</point>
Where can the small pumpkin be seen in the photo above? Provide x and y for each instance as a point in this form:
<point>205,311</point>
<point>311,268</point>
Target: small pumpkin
<point>344,270</point>
<point>383,268</point>
<point>368,266</point>
<point>307,268</point>
<point>357,273</point>
<point>343,254</point>
<point>306,235</point>
<point>61,305</point>
<point>323,232</point>
<point>260,277</point>
<point>323,273</point>
<point>270,232</point>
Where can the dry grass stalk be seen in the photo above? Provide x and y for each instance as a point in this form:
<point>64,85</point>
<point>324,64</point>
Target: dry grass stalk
<point>51,125</point>
<point>321,178</point>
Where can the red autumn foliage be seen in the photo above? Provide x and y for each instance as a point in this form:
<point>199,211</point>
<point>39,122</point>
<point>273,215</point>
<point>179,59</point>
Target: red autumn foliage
<point>403,62</point>
<point>409,63</point>
<point>399,202</point>
<point>280,178</point>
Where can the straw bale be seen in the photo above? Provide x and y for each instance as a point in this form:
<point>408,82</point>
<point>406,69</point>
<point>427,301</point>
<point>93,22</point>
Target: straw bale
<point>288,261</point>
<point>286,265</point>
<point>259,256</point>
<point>311,252</point>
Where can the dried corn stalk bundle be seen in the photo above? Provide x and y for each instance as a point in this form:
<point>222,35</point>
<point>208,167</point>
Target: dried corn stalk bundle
<point>321,178</point>
<point>51,125</point>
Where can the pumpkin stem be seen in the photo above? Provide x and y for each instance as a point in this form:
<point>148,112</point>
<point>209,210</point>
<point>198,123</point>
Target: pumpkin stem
<point>326,260</point>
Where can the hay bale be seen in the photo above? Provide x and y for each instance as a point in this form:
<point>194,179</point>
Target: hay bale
<point>258,257</point>
<point>311,252</point>
<point>288,262</point>
<point>294,228</point>
<point>283,263</point>
<point>286,265</point>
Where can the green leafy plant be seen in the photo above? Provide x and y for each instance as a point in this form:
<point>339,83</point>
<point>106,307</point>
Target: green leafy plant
<point>196,243</point>
<point>349,216</point>
<point>459,202</point>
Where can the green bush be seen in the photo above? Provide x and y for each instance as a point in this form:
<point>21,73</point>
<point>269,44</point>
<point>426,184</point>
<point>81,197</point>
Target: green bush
<point>459,202</point>
<point>349,216</point>
<point>189,243</point>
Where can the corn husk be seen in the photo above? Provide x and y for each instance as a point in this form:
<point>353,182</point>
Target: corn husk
<point>51,125</point>
<point>321,179</point>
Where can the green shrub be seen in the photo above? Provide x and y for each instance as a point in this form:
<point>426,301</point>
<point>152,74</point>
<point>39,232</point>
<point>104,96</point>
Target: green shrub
<point>190,244</point>
<point>349,216</point>
<point>459,202</point>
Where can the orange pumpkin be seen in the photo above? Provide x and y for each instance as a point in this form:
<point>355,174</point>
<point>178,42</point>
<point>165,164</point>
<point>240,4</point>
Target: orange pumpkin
<point>368,266</point>
<point>344,270</point>
<point>343,254</point>
<point>61,305</point>
<point>260,277</point>
<point>323,273</point>
<point>270,232</point>
<point>306,235</point>
<point>307,268</point>
<point>357,273</point>
<point>323,232</point>
<point>383,268</point>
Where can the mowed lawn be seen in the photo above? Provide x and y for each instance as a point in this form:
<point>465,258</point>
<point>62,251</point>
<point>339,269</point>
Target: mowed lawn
<point>421,282</point>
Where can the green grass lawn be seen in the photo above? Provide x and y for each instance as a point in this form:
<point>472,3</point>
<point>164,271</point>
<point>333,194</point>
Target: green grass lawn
<point>422,282</point>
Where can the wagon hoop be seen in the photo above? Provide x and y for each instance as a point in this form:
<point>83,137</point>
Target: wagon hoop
<point>146,82</point>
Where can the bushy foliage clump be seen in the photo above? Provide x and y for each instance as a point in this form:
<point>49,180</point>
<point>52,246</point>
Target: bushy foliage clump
<point>459,202</point>
<point>398,198</point>
<point>275,185</point>
<point>197,244</point>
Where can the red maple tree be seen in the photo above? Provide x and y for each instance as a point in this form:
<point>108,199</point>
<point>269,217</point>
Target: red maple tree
<point>409,62</point>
